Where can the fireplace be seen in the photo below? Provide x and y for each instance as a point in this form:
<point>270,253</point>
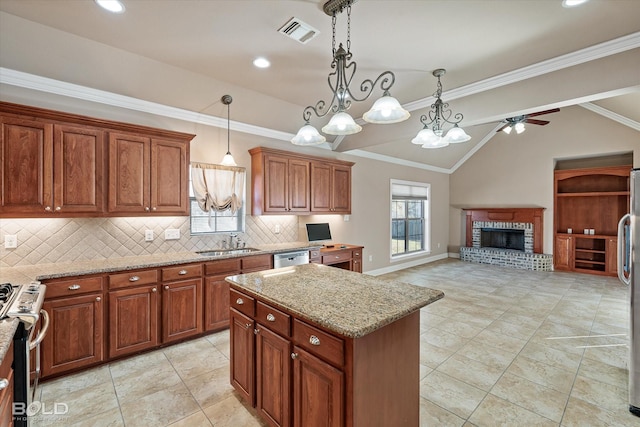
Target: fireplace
<point>502,238</point>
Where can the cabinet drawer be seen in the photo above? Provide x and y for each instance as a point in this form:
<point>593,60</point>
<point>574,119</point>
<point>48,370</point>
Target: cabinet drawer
<point>257,262</point>
<point>314,255</point>
<point>243,303</point>
<point>357,254</point>
<point>73,287</point>
<point>224,266</point>
<point>133,278</point>
<point>319,342</point>
<point>274,319</point>
<point>336,257</point>
<point>181,272</point>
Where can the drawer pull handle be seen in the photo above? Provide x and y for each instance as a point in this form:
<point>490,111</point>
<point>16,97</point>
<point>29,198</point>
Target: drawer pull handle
<point>357,254</point>
<point>182,272</point>
<point>294,356</point>
<point>134,278</point>
<point>166,287</point>
<point>74,287</point>
<point>98,299</point>
<point>4,383</point>
<point>271,317</point>
<point>314,340</point>
<point>154,290</point>
<point>239,301</point>
<point>337,256</point>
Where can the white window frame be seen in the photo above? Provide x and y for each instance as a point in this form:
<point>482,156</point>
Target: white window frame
<point>426,214</point>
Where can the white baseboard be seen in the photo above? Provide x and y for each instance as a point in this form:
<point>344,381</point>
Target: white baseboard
<point>454,255</point>
<point>408,264</point>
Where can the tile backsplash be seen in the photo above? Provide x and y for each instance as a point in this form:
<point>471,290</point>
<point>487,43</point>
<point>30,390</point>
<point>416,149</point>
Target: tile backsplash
<point>50,240</point>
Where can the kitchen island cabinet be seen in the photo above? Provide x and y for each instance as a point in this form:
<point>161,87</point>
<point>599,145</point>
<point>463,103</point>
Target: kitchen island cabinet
<point>340,327</point>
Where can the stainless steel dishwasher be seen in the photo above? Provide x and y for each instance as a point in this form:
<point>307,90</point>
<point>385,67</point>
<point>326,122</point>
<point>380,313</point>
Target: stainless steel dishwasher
<point>285,259</point>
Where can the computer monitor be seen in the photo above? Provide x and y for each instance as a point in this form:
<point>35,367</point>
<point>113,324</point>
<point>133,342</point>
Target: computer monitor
<point>320,232</point>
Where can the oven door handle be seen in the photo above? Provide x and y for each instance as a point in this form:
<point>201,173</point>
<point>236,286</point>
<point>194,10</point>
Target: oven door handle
<point>43,331</point>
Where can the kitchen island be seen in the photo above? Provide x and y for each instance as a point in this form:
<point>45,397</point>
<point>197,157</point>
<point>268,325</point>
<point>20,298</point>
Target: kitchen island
<point>313,345</point>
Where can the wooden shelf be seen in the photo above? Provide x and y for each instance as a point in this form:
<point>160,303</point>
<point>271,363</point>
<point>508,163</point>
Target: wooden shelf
<point>592,251</point>
<point>594,194</point>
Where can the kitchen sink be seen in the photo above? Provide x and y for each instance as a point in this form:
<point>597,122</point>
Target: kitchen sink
<point>221,252</point>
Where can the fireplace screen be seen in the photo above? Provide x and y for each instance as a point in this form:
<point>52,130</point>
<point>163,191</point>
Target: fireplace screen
<point>502,238</point>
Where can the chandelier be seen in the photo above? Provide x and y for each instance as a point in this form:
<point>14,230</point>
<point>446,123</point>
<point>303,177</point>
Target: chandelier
<point>385,110</point>
<point>438,116</point>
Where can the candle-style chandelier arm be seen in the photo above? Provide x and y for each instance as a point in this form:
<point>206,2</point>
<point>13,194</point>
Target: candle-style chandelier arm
<point>386,79</point>
<point>440,112</point>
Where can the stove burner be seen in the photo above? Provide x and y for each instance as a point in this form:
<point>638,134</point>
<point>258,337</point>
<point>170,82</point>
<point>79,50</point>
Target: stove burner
<point>5,290</point>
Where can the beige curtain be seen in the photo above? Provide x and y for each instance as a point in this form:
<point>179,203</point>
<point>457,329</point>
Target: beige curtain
<point>218,187</point>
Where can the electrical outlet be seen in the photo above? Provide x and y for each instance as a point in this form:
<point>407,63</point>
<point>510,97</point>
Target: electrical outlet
<point>10,241</point>
<point>438,245</point>
<point>148,235</point>
<point>171,234</point>
<point>370,258</point>
<point>277,229</point>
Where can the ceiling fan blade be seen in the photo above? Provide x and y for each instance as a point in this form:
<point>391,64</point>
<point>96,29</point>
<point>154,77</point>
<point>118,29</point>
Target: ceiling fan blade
<point>507,125</point>
<point>540,113</point>
<point>537,122</point>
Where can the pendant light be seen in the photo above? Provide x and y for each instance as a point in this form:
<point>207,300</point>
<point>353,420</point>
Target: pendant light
<point>227,160</point>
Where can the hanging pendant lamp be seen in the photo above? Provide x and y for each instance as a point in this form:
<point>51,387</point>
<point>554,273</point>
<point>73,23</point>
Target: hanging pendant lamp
<point>228,160</point>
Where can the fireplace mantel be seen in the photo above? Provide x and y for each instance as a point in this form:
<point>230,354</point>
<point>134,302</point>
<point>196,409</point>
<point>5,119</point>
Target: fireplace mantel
<point>526,215</point>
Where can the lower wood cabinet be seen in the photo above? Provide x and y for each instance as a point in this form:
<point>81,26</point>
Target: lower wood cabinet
<point>273,376</point>
<point>6,388</point>
<point>347,257</point>
<point>243,345</point>
<point>181,310</point>
<point>594,254</point>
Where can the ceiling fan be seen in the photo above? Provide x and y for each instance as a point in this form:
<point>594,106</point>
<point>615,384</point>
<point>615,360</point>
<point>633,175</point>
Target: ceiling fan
<point>518,122</point>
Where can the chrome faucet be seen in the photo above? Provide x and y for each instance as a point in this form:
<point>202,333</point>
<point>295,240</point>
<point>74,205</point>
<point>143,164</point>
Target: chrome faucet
<point>231,236</point>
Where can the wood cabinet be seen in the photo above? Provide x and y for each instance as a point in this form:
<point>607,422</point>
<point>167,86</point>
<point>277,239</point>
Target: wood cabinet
<point>216,292</point>
<point>76,331</point>
<point>347,257</point>
<point>290,183</point>
<point>181,302</point>
<point>55,163</point>
<point>6,388</point>
<point>589,199</point>
<point>242,355</point>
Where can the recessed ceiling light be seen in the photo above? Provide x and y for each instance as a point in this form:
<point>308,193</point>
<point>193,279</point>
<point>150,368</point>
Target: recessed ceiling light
<point>114,6</point>
<point>573,3</point>
<point>261,62</point>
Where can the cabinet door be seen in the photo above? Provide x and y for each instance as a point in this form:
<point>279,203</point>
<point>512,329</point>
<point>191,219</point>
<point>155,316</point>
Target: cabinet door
<point>6,391</point>
<point>216,303</point>
<point>27,167</point>
<point>129,173</point>
<point>242,354</point>
<point>299,186</point>
<point>320,187</point>
<point>341,189</point>
<point>169,181</point>
<point>133,320</point>
<point>181,309</point>
<point>78,169</point>
<point>612,256</point>
<point>75,337</point>
<point>276,184</point>
<point>563,253</point>
<point>273,370</point>
<point>318,392</point>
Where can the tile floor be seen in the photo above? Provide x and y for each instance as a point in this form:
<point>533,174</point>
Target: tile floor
<point>503,348</point>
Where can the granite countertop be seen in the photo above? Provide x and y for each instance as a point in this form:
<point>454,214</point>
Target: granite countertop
<point>24,274</point>
<point>349,303</point>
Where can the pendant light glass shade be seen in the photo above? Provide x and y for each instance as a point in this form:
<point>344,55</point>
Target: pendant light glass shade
<point>386,110</point>
<point>228,160</point>
<point>425,136</point>
<point>341,124</point>
<point>308,135</point>
<point>457,135</point>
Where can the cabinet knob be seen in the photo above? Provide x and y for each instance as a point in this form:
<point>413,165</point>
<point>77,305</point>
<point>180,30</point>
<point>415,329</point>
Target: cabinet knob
<point>134,278</point>
<point>48,209</point>
<point>74,287</point>
<point>239,301</point>
<point>146,208</point>
<point>247,326</point>
<point>58,208</point>
<point>256,331</point>
<point>98,299</point>
<point>4,383</point>
<point>166,287</point>
<point>314,340</point>
<point>154,290</point>
<point>294,356</point>
<point>337,256</point>
<point>182,272</point>
<point>271,317</point>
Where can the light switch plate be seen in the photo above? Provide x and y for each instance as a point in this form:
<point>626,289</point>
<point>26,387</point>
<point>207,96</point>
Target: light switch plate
<point>171,234</point>
<point>10,241</point>
<point>148,235</point>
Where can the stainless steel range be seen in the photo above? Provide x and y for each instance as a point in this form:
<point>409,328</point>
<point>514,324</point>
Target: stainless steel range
<point>24,302</point>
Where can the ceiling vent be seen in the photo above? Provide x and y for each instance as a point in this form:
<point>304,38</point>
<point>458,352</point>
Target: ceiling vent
<point>298,30</point>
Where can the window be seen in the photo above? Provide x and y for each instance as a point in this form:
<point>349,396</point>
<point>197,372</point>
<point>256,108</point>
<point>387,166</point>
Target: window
<point>409,217</point>
<point>215,221</point>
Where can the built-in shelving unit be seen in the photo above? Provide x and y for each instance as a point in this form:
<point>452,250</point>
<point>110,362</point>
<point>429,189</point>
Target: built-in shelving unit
<point>588,205</point>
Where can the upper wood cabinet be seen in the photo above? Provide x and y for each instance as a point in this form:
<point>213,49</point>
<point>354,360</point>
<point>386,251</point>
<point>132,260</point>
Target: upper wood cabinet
<point>55,163</point>
<point>291,183</point>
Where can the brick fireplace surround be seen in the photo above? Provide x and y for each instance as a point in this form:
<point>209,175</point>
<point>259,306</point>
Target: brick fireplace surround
<point>528,219</point>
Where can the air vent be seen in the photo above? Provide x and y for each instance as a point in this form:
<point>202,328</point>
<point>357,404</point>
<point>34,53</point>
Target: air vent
<point>298,30</point>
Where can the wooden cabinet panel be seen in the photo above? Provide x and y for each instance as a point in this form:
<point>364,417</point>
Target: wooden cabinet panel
<point>319,342</point>
<point>181,272</point>
<point>276,184</point>
<point>563,253</point>
<point>169,181</point>
<point>275,319</point>
<point>257,263</point>
<point>181,309</point>
<point>75,286</point>
<point>317,392</point>
<point>299,186</point>
<point>216,303</point>
<point>273,371</point>
<point>321,187</point>
<point>341,190</point>
<point>27,166</point>
<point>132,278</point>
<point>129,173</point>
<point>243,303</point>
<point>330,188</point>
<point>6,390</point>
<point>75,337</point>
<point>612,256</point>
<point>242,356</point>
<point>133,320</point>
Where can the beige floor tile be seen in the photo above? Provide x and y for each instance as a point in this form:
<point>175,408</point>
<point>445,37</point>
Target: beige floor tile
<point>68,384</point>
<point>195,358</point>
<point>230,412</point>
<point>614,356</point>
<point>551,356</point>
<point>494,411</point>
<point>471,371</point>
<point>461,329</point>
<point>432,415</point>
<point>486,354</point>
<point>580,414</point>
<point>501,341</point>
<point>529,395</point>
<point>451,394</point>
<point>522,331</point>
<point>210,387</point>
<point>540,373</point>
<point>160,408</point>
<point>602,394</point>
<point>141,363</point>
<point>199,419</point>
<point>139,383</point>
<point>604,372</point>
<point>432,356</point>
<point>111,418</point>
<point>442,339</point>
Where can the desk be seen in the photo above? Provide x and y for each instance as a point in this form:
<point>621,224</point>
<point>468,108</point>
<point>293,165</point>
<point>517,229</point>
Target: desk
<point>347,257</point>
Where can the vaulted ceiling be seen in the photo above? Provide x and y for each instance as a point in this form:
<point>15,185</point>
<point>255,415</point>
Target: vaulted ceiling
<point>503,58</point>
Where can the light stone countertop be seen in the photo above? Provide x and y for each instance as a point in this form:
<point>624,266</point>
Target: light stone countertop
<point>349,303</point>
<point>24,274</point>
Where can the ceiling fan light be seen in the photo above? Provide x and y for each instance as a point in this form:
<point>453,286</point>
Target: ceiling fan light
<point>520,128</point>
<point>341,124</point>
<point>507,129</point>
<point>113,6</point>
<point>386,109</point>
<point>573,3</point>
<point>308,135</point>
<point>457,135</point>
<point>425,136</point>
